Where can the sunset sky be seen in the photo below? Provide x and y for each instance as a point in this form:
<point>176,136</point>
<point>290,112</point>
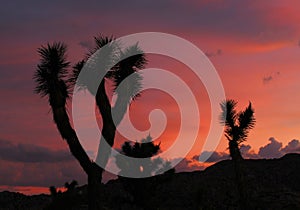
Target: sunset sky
<point>254,46</point>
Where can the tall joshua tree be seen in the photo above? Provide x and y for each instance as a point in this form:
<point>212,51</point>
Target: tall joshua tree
<point>237,125</point>
<point>53,80</point>
<point>50,78</point>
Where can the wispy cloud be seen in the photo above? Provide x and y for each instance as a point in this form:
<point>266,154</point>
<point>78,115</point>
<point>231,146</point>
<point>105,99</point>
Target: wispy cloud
<point>213,54</point>
<point>86,44</point>
<point>267,79</point>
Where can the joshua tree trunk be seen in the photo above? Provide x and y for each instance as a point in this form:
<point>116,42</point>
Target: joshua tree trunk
<point>109,125</point>
<point>240,181</point>
<point>108,128</point>
<point>237,161</point>
<point>237,126</point>
<point>95,189</point>
<point>234,150</point>
<point>93,171</point>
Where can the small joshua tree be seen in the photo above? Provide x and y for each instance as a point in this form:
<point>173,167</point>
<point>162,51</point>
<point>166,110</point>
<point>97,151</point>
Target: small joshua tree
<point>237,126</point>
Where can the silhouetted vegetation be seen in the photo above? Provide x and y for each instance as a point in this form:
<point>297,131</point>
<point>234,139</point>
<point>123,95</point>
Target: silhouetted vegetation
<point>141,168</point>
<point>71,186</point>
<point>53,191</point>
<point>221,186</point>
<point>137,187</point>
<point>55,80</point>
<point>72,198</point>
<point>271,184</point>
<point>237,126</point>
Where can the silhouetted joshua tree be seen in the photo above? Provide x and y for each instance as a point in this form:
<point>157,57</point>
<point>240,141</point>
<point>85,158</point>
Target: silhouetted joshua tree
<point>144,149</point>
<point>140,189</point>
<point>54,81</point>
<point>50,77</point>
<point>237,125</point>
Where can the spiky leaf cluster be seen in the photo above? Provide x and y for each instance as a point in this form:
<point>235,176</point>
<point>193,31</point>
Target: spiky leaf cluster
<point>52,71</point>
<point>107,60</point>
<point>237,124</point>
<point>140,149</point>
<point>131,60</point>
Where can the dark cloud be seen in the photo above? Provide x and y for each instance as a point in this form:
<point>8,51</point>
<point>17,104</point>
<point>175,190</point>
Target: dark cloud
<point>40,174</point>
<point>213,54</point>
<point>247,153</point>
<point>45,173</point>
<point>86,44</point>
<point>292,147</point>
<point>31,153</point>
<point>245,149</point>
<point>271,150</point>
<point>269,78</point>
<point>249,19</point>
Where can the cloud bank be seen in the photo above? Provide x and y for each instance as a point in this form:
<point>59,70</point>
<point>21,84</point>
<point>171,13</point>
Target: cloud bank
<point>274,149</point>
<point>30,165</point>
<point>29,153</point>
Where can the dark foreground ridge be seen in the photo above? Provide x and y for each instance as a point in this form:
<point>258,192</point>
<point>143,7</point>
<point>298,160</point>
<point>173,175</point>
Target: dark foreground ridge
<point>269,184</point>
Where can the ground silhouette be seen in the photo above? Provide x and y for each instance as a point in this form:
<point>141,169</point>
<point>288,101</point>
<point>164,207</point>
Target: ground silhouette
<point>272,184</point>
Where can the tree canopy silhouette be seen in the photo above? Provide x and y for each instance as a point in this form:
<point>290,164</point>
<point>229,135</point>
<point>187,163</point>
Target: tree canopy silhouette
<point>143,149</point>
<point>237,125</point>
<point>137,187</point>
<point>55,80</point>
